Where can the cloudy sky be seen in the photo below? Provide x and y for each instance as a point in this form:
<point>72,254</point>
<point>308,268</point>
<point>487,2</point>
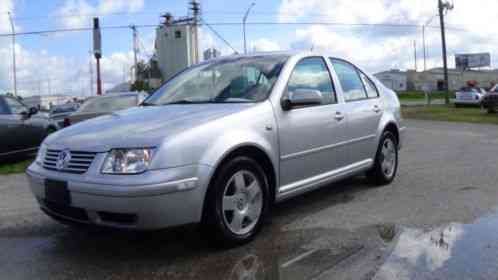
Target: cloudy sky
<point>59,62</point>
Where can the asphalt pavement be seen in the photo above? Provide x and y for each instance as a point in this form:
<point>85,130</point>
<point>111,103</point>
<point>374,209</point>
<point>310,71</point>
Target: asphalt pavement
<point>437,220</point>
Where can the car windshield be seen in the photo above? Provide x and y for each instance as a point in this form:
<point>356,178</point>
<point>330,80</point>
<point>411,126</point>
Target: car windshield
<point>229,80</point>
<point>108,103</point>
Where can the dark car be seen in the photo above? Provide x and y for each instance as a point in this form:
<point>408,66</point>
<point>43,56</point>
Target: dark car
<point>20,132</point>
<point>490,100</point>
<point>104,105</point>
<point>57,115</point>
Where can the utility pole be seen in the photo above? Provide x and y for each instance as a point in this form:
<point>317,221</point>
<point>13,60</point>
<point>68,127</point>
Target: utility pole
<point>135,50</point>
<point>97,51</point>
<point>415,53</point>
<point>14,70</point>
<point>196,18</point>
<point>442,7</point>
<point>244,25</point>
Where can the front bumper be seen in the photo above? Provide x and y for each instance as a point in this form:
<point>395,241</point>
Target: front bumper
<point>467,101</point>
<point>153,200</point>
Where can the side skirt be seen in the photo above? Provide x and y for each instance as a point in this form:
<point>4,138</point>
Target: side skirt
<point>306,185</point>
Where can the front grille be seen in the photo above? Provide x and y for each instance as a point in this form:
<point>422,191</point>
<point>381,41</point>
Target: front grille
<point>79,163</point>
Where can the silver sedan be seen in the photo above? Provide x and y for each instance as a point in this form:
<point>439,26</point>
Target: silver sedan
<point>220,143</point>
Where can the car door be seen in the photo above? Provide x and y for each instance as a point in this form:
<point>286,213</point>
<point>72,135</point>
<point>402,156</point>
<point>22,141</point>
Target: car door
<point>310,136</point>
<point>29,133</point>
<point>363,109</point>
<point>7,129</point>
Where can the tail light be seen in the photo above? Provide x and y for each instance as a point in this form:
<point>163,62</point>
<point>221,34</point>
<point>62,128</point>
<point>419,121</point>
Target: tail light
<point>67,122</point>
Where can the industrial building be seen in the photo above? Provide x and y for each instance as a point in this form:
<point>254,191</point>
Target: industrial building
<point>433,79</point>
<point>393,79</point>
<point>176,46</point>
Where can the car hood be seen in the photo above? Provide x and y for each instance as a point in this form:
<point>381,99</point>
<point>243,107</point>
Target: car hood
<point>138,127</point>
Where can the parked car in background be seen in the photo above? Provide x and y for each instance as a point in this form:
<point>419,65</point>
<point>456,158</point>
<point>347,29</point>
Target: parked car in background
<point>57,115</point>
<point>490,100</point>
<point>469,96</point>
<point>221,142</point>
<point>104,105</point>
<point>20,131</point>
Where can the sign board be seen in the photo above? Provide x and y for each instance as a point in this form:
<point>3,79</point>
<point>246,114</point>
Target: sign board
<point>466,61</point>
<point>97,40</point>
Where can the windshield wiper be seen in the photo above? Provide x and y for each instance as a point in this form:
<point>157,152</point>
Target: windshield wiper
<point>185,101</point>
<point>145,104</point>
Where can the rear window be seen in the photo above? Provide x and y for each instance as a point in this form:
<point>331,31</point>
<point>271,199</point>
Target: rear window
<point>108,104</point>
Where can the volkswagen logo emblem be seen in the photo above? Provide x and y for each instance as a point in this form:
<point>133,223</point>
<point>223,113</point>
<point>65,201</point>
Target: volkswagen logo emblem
<point>63,159</point>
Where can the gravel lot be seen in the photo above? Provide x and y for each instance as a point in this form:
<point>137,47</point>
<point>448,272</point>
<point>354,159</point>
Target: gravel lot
<point>438,215</point>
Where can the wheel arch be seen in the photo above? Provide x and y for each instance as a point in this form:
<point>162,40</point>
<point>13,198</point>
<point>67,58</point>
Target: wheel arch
<point>253,151</point>
<point>393,128</point>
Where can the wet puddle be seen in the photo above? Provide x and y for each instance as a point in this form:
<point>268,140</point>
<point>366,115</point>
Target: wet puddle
<point>453,251</point>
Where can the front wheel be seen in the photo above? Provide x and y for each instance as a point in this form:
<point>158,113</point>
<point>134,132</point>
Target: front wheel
<point>386,160</point>
<point>237,202</point>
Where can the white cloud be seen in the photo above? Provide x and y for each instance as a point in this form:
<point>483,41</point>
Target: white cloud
<point>113,6</point>
<point>6,5</point>
<point>380,48</point>
<point>264,45</point>
<point>39,72</point>
<point>77,13</point>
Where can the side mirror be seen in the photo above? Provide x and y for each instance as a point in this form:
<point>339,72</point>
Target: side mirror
<point>302,97</point>
<point>33,111</point>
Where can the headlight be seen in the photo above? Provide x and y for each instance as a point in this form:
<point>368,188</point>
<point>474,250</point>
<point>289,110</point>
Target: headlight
<point>41,154</point>
<point>127,161</point>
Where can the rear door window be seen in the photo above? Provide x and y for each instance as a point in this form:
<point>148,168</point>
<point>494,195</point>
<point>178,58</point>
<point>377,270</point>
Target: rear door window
<point>369,86</point>
<point>351,82</point>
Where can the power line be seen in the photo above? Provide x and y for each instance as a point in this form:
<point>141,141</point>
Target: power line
<point>79,29</point>
<point>219,36</point>
<point>210,24</point>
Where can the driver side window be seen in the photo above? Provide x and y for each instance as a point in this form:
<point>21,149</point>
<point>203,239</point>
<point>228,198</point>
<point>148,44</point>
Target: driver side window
<point>15,106</point>
<point>312,73</point>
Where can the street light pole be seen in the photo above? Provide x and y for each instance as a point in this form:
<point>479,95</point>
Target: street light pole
<point>244,25</point>
<point>442,6</point>
<point>13,53</point>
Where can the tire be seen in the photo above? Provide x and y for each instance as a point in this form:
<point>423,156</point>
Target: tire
<point>238,200</point>
<point>383,173</point>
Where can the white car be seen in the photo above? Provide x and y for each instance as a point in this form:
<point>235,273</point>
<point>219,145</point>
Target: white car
<point>469,96</point>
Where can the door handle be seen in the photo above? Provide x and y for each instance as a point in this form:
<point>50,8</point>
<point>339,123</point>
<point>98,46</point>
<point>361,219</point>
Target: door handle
<point>338,116</point>
<point>377,109</point>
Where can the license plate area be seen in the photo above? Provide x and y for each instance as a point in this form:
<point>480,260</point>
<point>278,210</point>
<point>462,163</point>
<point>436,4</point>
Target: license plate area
<point>57,192</point>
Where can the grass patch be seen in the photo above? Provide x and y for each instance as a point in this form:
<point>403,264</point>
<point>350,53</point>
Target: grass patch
<point>13,168</point>
<point>419,95</point>
<point>450,114</point>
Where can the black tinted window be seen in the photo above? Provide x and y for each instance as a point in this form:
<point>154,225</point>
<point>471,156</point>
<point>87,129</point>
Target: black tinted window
<point>312,73</point>
<point>352,85</point>
<point>15,106</point>
<point>3,107</point>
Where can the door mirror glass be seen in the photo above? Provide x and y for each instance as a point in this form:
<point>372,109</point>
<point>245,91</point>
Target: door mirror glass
<point>33,111</point>
<point>302,97</point>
